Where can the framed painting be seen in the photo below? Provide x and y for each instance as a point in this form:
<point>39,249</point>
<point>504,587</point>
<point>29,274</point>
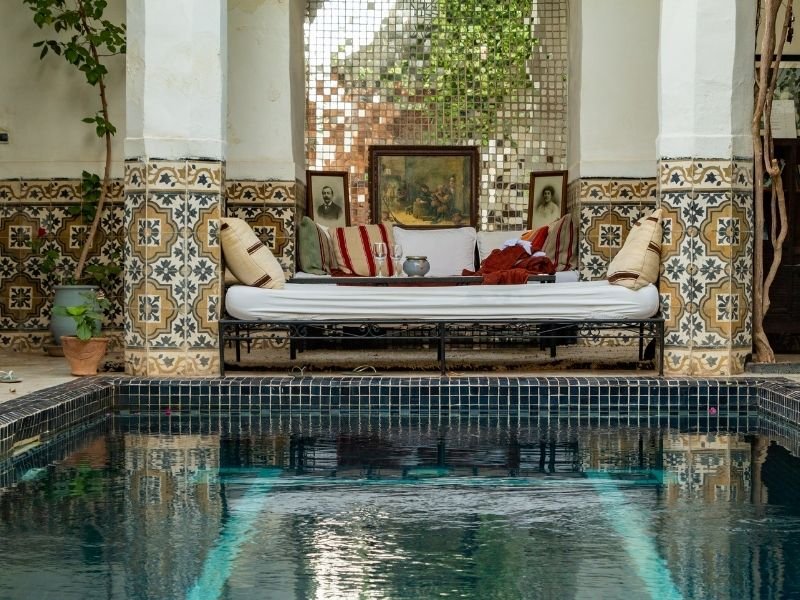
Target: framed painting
<point>328,198</point>
<point>547,198</point>
<point>424,186</point>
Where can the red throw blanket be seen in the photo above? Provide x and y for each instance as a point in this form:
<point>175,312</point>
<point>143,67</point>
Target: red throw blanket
<point>511,265</point>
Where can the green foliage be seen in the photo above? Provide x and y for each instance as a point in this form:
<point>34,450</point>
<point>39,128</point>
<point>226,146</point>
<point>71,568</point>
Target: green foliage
<point>478,56</point>
<point>88,316</point>
<point>84,39</point>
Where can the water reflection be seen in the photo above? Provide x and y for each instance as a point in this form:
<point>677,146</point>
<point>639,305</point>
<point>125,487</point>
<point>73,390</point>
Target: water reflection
<point>415,509</point>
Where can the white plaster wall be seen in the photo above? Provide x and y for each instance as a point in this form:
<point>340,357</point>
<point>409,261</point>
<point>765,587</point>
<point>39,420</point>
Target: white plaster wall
<point>706,78</point>
<point>177,86</point>
<point>617,115</point>
<point>267,90</point>
<point>42,104</point>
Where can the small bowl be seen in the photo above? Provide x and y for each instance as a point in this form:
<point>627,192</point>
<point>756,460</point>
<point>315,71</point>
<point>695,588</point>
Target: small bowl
<point>416,266</point>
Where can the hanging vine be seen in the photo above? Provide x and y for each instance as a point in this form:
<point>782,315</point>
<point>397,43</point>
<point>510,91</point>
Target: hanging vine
<point>771,49</point>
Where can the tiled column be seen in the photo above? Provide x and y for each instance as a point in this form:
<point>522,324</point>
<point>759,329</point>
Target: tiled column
<point>705,184</point>
<point>174,182</point>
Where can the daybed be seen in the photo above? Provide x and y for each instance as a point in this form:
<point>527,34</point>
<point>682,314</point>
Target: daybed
<point>441,315</point>
<point>549,313</point>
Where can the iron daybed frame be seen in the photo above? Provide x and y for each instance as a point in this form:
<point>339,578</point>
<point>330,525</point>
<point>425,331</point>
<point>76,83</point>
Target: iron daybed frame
<point>439,333</point>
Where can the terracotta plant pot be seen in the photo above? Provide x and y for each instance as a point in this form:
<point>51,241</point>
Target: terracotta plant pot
<point>84,356</point>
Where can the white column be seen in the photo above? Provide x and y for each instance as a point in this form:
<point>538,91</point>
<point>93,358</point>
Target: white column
<point>175,150</point>
<point>176,79</point>
<point>705,183</point>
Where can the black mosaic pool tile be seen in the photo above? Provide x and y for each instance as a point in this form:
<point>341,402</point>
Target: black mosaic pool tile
<point>696,403</point>
<point>34,418</point>
<point>427,396</point>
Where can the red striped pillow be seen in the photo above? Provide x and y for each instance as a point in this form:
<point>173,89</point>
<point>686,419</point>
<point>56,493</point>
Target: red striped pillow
<point>353,247</point>
<point>537,238</point>
<point>560,244</point>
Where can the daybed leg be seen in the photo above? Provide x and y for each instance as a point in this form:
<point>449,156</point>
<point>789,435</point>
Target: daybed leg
<point>641,342</point>
<point>442,359</point>
<point>222,351</point>
<point>660,333</point>
<point>292,345</point>
<point>238,343</point>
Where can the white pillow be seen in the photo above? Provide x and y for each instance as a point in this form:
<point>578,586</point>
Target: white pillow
<point>489,240</point>
<point>449,251</point>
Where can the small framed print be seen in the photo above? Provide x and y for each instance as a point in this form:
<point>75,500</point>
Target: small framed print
<point>547,198</point>
<point>328,198</point>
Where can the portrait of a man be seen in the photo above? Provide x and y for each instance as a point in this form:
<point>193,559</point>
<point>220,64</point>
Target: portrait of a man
<point>327,208</point>
<point>327,198</point>
<point>547,191</point>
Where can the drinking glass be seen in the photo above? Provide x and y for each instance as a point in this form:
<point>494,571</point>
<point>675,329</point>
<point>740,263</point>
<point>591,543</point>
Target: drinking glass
<point>379,252</point>
<point>397,256</point>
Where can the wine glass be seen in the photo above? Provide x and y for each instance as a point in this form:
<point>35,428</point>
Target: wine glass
<point>397,255</point>
<point>379,252</point>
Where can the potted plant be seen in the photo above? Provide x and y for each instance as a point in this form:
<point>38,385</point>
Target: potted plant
<point>86,349</point>
<point>86,40</point>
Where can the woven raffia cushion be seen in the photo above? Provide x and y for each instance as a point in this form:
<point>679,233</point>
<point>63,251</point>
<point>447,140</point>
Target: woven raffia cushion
<point>637,262</point>
<point>559,245</point>
<point>353,247</point>
<point>248,258</point>
<point>315,252</point>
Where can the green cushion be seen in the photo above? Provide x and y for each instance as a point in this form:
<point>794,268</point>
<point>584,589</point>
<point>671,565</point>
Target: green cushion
<point>314,252</point>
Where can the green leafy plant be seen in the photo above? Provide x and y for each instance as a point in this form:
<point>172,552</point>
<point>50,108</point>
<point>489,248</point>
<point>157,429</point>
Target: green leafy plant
<point>478,56</point>
<point>88,315</point>
<point>85,39</point>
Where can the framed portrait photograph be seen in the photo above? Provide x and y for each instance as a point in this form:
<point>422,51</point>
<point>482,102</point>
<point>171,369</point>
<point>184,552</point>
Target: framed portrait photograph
<point>328,198</point>
<point>547,198</point>
<point>424,186</point>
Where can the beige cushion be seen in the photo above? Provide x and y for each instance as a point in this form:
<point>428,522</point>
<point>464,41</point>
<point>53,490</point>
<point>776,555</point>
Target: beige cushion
<point>229,278</point>
<point>353,247</point>
<point>637,262</point>
<point>248,257</point>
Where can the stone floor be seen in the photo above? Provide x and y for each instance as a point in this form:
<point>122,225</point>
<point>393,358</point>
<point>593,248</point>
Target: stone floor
<point>38,371</point>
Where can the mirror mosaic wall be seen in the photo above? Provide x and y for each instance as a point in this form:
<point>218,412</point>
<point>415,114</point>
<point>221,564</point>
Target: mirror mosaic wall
<point>439,72</point>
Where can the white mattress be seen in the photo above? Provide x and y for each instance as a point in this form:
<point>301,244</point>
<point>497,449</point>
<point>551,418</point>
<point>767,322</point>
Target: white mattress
<point>580,300</point>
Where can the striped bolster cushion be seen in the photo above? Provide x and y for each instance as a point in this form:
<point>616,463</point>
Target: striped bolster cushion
<point>559,246</point>
<point>248,258</point>
<point>315,252</point>
<point>638,261</point>
<point>353,246</point>
<point>537,237</point>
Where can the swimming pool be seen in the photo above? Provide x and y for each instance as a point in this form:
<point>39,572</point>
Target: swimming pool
<point>283,506</point>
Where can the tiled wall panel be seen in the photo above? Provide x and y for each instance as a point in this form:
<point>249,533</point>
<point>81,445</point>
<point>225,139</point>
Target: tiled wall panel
<point>26,292</point>
<point>707,258</point>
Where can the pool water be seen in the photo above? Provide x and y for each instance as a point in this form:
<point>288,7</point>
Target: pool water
<point>328,509</point>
